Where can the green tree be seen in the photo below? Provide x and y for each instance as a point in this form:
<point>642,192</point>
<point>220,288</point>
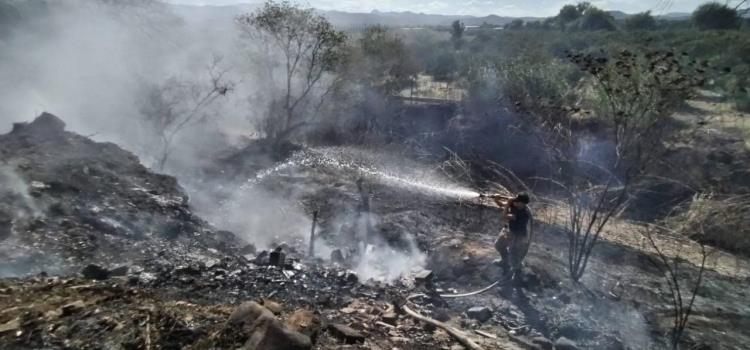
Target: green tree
<point>641,21</point>
<point>597,19</point>
<point>515,24</point>
<point>386,64</point>
<point>716,16</point>
<point>443,66</point>
<point>309,47</point>
<point>457,33</point>
<point>568,13</point>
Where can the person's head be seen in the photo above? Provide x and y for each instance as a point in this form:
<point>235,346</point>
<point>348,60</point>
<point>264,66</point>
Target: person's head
<point>521,200</point>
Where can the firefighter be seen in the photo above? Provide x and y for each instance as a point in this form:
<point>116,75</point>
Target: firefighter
<point>513,241</point>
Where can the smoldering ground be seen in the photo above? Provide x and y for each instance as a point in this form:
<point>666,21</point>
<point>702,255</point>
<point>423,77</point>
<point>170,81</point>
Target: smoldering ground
<point>117,71</point>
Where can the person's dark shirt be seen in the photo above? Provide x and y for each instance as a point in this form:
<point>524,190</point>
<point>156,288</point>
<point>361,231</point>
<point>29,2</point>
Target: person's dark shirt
<point>520,221</point>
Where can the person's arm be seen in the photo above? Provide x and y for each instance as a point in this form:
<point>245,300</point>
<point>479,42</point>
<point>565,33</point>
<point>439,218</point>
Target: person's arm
<point>504,204</point>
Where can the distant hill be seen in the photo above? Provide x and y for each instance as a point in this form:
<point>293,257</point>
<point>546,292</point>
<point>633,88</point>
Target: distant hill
<point>675,16</point>
<point>350,19</point>
<point>402,19</point>
<point>11,11</point>
<point>672,16</point>
<point>392,19</point>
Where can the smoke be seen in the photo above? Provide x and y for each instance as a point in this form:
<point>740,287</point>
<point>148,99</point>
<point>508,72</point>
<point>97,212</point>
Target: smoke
<point>14,192</point>
<point>92,63</point>
<point>262,218</point>
<point>16,207</point>
<point>109,67</point>
<point>383,262</point>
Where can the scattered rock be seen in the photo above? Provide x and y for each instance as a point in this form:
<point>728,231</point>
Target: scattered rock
<point>348,276</point>
<point>191,270</point>
<point>45,125</point>
<point>305,322</point>
<point>72,308</point>
<point>272,306</point>
<point>247,313</point>
<point>479,313</point>
<point>269,334</point>
<point>95,272</point>
<point>390,318</point>
<point>277,257</point>
<point>119,271</point>
<point>347,334</point>
<point>248,249</point>
<point>424,276</point>
<point>542,342</point>
<point>10,326</point>
<point>266,331</point>
<point>261,258</point>
<point>441,314</point>
<point>563,343</point>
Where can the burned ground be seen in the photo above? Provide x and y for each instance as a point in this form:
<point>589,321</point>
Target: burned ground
<point>79,201</point>
<point>128,265</point>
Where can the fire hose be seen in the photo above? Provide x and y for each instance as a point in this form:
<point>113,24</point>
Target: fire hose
<point>458,334</point>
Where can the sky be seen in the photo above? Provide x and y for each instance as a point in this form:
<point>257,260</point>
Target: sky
<point>515,8</point>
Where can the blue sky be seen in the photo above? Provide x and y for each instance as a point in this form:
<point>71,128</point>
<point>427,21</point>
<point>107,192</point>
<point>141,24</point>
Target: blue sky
<point>479,7</point>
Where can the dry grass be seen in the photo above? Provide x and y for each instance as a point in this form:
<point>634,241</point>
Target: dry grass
<point>723,116</point>
<point>625,232</point>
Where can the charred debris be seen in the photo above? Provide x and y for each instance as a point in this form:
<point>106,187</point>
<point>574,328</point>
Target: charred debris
<point>100,253</point>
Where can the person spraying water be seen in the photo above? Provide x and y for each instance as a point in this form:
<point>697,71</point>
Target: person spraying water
<point>514,241</point>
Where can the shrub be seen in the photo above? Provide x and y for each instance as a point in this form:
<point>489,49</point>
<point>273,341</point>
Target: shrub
<point>742,102</point>
<point>641,21</point>
<point>714,15</point>
<point>597,19</point>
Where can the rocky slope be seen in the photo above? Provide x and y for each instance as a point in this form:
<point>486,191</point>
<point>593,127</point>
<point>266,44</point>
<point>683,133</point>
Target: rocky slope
<point>69,201</point>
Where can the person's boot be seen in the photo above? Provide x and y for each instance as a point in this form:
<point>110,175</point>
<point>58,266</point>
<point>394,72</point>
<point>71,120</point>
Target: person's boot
<point>504,266</point>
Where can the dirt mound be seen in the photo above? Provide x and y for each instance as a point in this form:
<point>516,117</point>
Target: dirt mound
<point>67,201</point>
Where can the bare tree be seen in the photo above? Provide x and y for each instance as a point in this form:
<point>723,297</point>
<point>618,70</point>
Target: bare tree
<point>682,287</point>
<point>637,95</point>
<point>309,46</point>
<point>175,105</point>
<point>742,7</point>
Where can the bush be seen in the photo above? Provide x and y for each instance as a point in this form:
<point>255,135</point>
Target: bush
<point>443,67</point>
<point>641,21</point>
<point>722,220</point>
<point>568,13</point>
<point>742,103</point>
<point>536,85</point>
<point>597,19</point>
<point>716,16</point>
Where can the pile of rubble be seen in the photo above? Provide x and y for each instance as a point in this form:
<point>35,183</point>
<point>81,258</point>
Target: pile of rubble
<point>232,303</point>
<point>67,200</point>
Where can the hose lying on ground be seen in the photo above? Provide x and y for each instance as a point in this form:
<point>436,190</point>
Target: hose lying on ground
<point>462,295</point>
<point>477,292</point>
<point>455,333</point>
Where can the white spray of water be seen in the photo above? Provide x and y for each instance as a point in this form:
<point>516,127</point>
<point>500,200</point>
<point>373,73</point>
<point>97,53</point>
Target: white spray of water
<point>334,158</point>
<point>377,260</point>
